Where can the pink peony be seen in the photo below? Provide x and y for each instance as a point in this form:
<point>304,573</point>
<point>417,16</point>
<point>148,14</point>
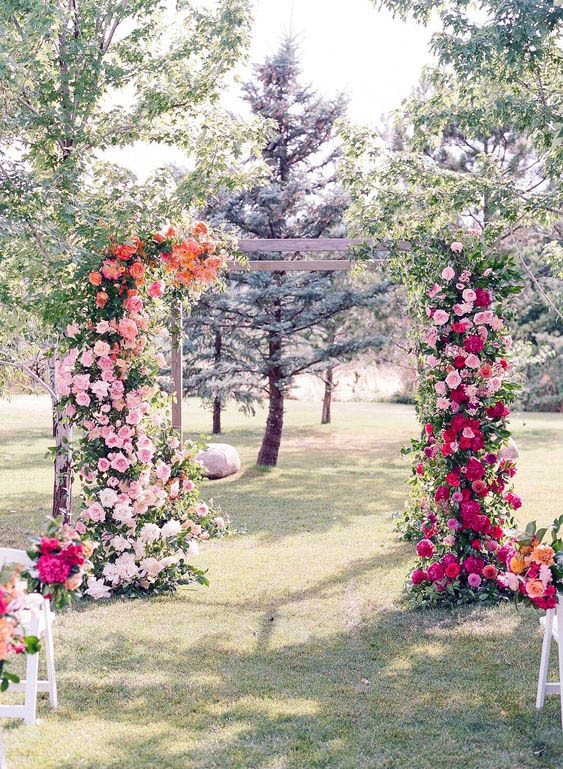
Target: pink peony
<point>53,569</point>
<point>425,548</point>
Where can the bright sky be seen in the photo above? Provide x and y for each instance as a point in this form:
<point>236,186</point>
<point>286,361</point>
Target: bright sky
<point>345,45</point>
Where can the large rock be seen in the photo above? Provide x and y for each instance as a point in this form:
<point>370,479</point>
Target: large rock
<point>510,451</point>
<point>219,460</point>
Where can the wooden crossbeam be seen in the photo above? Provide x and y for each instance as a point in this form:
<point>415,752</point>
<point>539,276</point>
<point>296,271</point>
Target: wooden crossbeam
<point>299,265</point>
<point>310,245</point>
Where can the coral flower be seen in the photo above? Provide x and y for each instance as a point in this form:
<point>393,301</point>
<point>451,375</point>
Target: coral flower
<point>535,588</point>
<point>101,299</point>
<point>137,270</point>
<point>95,278</point>
<point>544,555</point>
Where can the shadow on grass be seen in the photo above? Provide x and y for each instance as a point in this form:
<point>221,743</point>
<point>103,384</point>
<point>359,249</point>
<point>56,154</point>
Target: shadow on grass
<point>405,690</point>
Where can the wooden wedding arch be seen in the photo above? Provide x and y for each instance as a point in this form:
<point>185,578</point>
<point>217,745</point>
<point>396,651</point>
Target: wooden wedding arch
<point>379,250</point>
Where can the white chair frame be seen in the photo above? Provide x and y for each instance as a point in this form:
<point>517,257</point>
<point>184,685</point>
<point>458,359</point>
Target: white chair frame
<point>553,631</point>
<point>37,621</point>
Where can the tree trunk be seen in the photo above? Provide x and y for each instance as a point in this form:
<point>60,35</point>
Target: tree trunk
<point>327,399</point>
<point>216,416</point>
<point>62,433</point>
<point>62,483</point>
<point>218,348</point>
<point>269,450</point>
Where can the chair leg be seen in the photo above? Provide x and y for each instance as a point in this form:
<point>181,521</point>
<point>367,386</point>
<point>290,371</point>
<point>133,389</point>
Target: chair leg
<point>31,676</point>
<point>3,764</point>
<point>544,662</point>
<point>50,654</point>
<point>559,620</point>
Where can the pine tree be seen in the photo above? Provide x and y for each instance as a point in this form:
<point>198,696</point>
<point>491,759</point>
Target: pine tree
<point>269,323</point>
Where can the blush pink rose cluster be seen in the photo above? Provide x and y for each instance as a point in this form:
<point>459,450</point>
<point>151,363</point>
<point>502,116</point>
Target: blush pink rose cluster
<point>141,485</point>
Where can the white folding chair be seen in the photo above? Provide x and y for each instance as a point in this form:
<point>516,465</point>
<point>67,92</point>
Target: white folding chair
<point>37,620</point>
<point>553,631</point>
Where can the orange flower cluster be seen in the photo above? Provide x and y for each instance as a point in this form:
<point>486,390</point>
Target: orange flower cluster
<point>191,260</point>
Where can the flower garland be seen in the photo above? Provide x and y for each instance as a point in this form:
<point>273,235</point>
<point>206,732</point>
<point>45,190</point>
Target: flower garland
<point>462,496</point>
<point>141,504</point>
<point>12,642</point>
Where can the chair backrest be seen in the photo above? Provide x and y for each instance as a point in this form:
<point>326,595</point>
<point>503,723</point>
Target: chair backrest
<point>12,555</point>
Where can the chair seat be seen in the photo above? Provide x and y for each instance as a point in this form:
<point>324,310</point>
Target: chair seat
<point>554,629</point>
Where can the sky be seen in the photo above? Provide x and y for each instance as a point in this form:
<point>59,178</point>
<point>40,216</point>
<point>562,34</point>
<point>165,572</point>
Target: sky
<point>346,45</point>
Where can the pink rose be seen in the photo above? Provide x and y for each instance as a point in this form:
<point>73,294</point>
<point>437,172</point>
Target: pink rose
<point>440,388</point>
<point>101,348</point>
<point>472,361</point>
<point>83,399</point>
<point>95,512</point>
<point>469,295</point>
<point>128,328</point>
<point>133,417</point>
<point>72,330</point>
<point>156,289</point>
<point>453,380</point>
<point>87,358</point>
<point>448,273</point>
<point>102,326</point>
<point>120,463</point>
<point>103,464</point>
<point>440,317</point>
<point>457,247</point>
<point>474,580</point>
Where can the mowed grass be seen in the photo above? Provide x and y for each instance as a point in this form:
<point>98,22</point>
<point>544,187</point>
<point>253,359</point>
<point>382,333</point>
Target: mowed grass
<point>300,654</point>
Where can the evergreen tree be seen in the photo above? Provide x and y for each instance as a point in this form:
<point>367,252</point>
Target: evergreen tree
<point>269,323</point>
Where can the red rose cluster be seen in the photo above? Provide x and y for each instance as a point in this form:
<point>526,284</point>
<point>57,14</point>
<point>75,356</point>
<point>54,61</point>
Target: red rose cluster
<point>462,497</point>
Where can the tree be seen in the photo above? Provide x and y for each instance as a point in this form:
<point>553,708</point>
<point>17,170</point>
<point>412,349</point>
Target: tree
<point>79,78</point>
<point>456,157</point>
<point>275,317</point>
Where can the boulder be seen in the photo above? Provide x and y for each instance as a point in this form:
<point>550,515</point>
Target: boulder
<point>219,460</point>
<point>510,451</point>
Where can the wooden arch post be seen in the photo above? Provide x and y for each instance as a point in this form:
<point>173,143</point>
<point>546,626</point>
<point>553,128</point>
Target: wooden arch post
<point>380,250</point>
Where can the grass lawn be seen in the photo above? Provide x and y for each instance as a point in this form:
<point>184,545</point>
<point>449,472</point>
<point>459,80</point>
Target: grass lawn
<point>299,655</point>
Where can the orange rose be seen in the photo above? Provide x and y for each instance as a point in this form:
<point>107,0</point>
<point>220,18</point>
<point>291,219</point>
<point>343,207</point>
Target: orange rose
<point>544,555</point>
<point>101,299</point>
<point>125,252</point>
<point>535,588</point>
<point>200,228</point>
<point>517,564</point>
<point>95,278</point>
<point>170,233</point>
<point>137,270</point>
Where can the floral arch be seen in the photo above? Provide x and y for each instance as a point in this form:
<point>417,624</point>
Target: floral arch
<point>141,503</point>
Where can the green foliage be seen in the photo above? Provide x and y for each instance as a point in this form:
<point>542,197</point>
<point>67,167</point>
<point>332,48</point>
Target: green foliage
<point>77,79</point>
